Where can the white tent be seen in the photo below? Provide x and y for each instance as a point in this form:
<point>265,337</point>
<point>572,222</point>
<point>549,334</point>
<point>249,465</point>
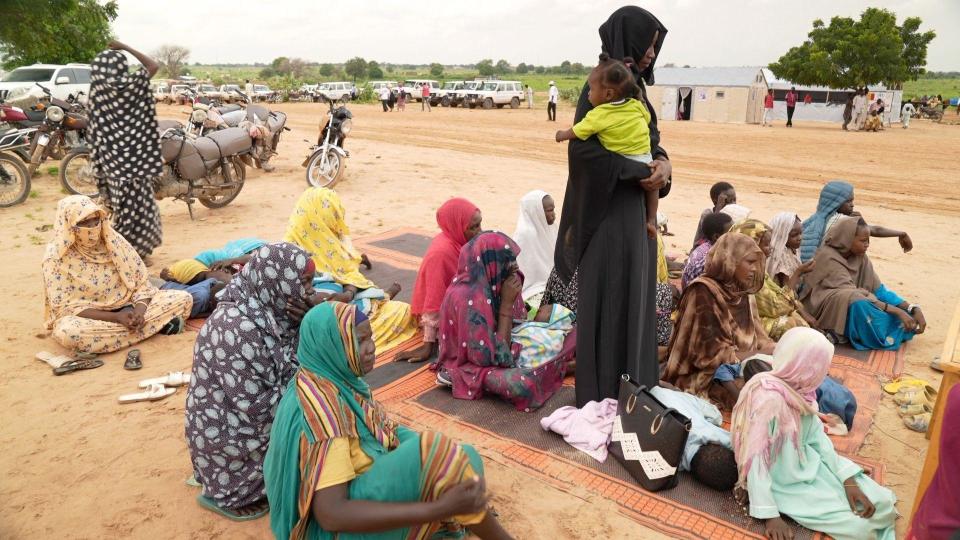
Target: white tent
<point>827,103</point>
<point>709,94</point>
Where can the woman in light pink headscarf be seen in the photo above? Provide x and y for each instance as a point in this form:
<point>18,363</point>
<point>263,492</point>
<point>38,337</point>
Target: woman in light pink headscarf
<point>787,464</point>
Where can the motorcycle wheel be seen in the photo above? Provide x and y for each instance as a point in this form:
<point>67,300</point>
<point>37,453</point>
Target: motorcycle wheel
<point>327,177</point>
<point>14,180</point>
<point>76,173</point>
<point>239,175</point>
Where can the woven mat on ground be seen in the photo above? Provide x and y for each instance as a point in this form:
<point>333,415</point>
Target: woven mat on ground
<point>515,439</point>
<point>886,363</point>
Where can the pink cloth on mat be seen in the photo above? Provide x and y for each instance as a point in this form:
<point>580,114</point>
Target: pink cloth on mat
<point>587,429</point>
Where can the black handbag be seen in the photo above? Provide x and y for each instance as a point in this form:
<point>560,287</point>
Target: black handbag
<point>648,438</point>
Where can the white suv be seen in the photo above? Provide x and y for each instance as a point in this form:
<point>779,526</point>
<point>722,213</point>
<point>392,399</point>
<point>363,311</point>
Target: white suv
<point>497,93</point>
<point>458,95</point>
<point>60,80</point>
<point>337,90</point>
<point>414,88</point>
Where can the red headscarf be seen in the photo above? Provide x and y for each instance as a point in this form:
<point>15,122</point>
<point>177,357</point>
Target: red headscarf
<point>440,263</point>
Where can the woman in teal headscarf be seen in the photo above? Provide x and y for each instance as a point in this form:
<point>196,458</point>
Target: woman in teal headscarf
<point>833,196</point>
<point>338,467</point>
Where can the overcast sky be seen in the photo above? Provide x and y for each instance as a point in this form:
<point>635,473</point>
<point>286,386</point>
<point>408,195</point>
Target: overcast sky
<point>701,32</point>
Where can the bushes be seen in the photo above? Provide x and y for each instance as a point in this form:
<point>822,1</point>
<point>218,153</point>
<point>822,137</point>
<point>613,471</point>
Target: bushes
<point>570,94</point>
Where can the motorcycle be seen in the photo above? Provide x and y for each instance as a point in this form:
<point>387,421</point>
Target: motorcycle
<point>325,162</point>
<point>21,116</point>
<point>264,125</point>
<point>62,129</point>
<point>14,177</point>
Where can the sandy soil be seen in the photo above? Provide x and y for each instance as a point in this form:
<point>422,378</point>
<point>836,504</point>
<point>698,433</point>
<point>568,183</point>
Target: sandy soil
<point>76,464</point>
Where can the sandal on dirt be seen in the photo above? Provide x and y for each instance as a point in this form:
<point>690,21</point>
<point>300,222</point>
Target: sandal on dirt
<point>174,378</point>
<point>912,409</point>
<point>919,423</point>
<point>208,503</point>
<point>895,385</point>
<point>76,365</point>
<point>154,393</point>
<point>916,394</point>
<point>192,482</point>
<point>133,360</point>
<point>53,360</point>
<point>174,327</point>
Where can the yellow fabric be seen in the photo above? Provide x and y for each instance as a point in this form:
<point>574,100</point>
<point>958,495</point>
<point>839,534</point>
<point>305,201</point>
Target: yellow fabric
<point>392,323</point>
<point>346,460</point>
<point>663,271</point>
<point>89,268</point>
<point>779,309</point>
<point>622,128</point>
<point>318,225</point>
<point>185,270</point>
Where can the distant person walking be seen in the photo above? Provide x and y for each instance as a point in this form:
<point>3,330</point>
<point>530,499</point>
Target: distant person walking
<point>860,109</point>
<point>401,100</point>
<point>529,97</point>
<point>384,97</point>
<point>791,100</point>
<point>908,111</point>
<point>425,94</point>
<point>553,95</point>
<point>248,89</point>
<point>124,148</point>
<point>848,110</point>
<point>768,109</point>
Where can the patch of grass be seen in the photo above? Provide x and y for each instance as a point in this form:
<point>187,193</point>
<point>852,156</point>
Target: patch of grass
<point>28,215</point>
<point>36,239</point>
<point>947,88</point>
<point>52,171</point>
<point>34,194</point>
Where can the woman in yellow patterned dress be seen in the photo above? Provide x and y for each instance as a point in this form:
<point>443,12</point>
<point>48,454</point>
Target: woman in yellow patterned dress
<point>318,225</point>
<point>97,297</point>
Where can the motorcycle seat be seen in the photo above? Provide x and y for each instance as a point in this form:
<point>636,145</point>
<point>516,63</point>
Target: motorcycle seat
<point>163,125</point>
<point>35,116</point>
<point>228,108</point>
<point>226,142</point>
<point>233,118</point>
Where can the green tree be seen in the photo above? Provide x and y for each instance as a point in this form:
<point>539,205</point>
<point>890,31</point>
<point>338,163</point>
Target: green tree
<point>356,67</point>
<point>485,67</point>
<point>436,70</point>
<point>265,73</point>
<point>503,66</point>
<point>850,53</point>
<point>565,67</point>
<point>522,68</point>
<point>541,70</point>
<point>54,31</point>
<point>577,68</point>
<point>374,71</point>
<point>172,59</point>
<point>326,70</point>
<point>279,62</point>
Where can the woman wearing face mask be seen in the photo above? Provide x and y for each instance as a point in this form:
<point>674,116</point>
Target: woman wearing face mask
<point>848,299</point>
<point>97,297</point>
<point>718,320</point>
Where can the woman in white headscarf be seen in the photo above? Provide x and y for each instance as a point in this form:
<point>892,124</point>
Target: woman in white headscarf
<point>536,235</point>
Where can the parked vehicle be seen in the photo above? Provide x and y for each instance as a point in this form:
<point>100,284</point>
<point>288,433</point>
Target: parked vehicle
<point>230,93</point>
<point>496,93</point>
<point>22,118</point>
<point>930,113</point>
<point>267,125</point>
<point>161,92</point>
<point>182,94</point>
<point>62,80</point>
<point>458,97</point>
<point>63,129</point>
<point>14,176</point>
<point>413,87</point>
<point>210,92</point>
<point>325,163</point>
<point>377,85</point>
<point>344,91</point>
<point>262,92</point>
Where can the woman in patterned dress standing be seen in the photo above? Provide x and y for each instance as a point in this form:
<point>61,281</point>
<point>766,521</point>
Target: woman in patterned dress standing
<point>125,148</point>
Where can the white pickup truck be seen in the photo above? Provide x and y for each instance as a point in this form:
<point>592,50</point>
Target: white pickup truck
<point>496,93</point>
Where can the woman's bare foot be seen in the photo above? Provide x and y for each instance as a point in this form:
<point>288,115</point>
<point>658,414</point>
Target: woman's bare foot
<point>393,291</point>
<point>365,261</point>
<point>421,353</point>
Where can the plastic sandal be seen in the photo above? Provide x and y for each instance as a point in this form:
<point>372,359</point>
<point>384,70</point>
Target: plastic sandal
<point>53,360</point>
<point>208,503</point>
<point>919,423</point>
<point>913,409</point>
<point>133,360</point>
<point>895,385</point>
<point>174,327</point>
<point>172,379</point>
<point>916,394</point>
<point>76,365</point>
<point>154,393</point>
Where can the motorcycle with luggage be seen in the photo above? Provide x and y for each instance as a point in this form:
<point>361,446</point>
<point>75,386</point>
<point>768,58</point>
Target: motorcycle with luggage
<point>262,124</point>
<point>14,177</point>
<point>325,163</point>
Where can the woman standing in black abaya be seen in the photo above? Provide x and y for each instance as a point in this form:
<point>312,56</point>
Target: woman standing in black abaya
<point>604,263</point>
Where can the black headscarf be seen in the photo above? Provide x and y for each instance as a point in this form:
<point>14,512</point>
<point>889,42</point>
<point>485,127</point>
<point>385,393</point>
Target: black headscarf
<point>628,32</point>
<point>594,171</point>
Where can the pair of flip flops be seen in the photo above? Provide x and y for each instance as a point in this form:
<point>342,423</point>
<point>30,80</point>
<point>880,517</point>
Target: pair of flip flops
<point>157,388</point>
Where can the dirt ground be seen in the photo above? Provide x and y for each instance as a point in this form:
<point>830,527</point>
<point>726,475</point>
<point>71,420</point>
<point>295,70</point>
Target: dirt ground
<point>78,465</point>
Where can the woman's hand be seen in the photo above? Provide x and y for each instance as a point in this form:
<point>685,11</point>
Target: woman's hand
<point>906,320</point>
<point>297,309</point>
<point>126,318</point>
<point>905,242</point>
<point>116,45</point>
<point>467,497</point>
<point>223,266</point>
<point>139,310</point>
<point>511,288</point>
<point>921,320</point>
<point>856,497</point>
<point>807,267</point>
<point>660,171</point>
<point>777,529</point>
<point>346,297</point>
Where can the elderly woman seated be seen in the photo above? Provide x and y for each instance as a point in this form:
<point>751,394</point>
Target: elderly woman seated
<point>97,295</point>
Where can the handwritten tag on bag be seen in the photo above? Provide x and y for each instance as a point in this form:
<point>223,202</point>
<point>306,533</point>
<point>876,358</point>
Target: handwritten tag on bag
<point>652,462</point>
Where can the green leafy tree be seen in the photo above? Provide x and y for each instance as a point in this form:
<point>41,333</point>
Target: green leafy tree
<point>373,70</point>
<point>356,67</point>
<point>522,68</point>
<point>541,70</point>
<point>266,73</point>
<point>485,67</point>
<point>279,62</point>
<point>172,59</point>
<point>850,53</point>
<point>503,66</point>
<point>54,31</point>
<point>326,70</point>
<point>577,68</point>
<point>436,70</point>
<point>565,67</point>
